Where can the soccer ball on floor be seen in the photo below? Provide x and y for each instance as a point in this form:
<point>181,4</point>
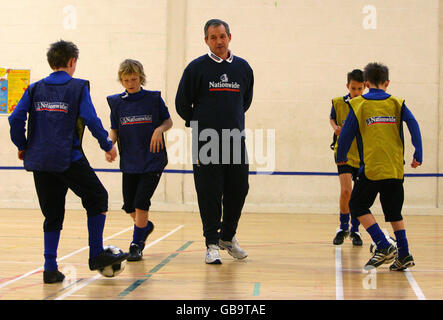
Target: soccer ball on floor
<point>116,268</point>
<point>390,240</point>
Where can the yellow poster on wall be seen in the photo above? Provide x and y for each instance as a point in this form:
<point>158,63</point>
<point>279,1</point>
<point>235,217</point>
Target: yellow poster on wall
<point>13,83</point>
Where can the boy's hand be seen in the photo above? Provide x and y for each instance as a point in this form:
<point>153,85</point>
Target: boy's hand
<point>111,154</point>
<point>415,163</point>
<point>21,154</point>
<point>157,141</point>
<point>337,130</point>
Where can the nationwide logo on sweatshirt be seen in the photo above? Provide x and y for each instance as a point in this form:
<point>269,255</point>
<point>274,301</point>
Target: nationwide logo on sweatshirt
<point>224,85</point>
<point>224,78</point>
<point>51,106</point>
<point>374,120</point>
<point>124,121</point>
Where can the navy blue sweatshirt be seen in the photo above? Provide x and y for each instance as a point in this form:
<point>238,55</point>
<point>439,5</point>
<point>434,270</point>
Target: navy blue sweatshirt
<point>215,93</point>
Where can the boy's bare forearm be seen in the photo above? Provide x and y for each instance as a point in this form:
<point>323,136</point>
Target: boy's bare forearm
<point>166,125</point>
<point>113,135</point>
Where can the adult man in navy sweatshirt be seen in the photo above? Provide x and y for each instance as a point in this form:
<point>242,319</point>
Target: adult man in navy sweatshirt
<point>214,93</point>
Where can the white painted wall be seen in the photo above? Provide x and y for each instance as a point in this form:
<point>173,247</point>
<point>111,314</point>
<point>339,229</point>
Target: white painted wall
<point>300,51</point>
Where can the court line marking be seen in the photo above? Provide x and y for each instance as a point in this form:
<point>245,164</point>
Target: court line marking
<point>137,283</point>
<point>68,286</point>
<point>266,173</point>
<point>338,275</point>
<point>61,259</point>
<point>256,291</point>
<point>162,238</point>
<point>78,287</point>
<point>414,285</point>
<point>410,277</point>
<point>98,276</point>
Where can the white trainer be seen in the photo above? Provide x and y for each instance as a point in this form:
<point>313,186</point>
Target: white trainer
<point>233,248</point>
<point>212,254</point>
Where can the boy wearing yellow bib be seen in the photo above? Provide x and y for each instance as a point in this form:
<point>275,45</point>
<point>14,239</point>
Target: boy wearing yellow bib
<point>376,120</point>
<point>348,172</point>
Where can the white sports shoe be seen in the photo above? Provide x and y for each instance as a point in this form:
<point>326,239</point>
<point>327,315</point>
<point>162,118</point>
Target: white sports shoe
<point>212,254</point>
<point>233,248</point>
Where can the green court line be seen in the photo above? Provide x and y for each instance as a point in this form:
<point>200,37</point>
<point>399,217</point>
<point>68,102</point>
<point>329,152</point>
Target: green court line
<point>137,283</point>
<point>64,288</point>
<point>256,292</point>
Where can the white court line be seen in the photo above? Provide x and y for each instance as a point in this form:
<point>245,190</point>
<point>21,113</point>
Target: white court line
<point>98,276</point>
<point>414,285</point>
<point>338,275</point>
<point>78,287</point>
<point>61,259</point>
<point>410,277</point>
<point>164,237</point>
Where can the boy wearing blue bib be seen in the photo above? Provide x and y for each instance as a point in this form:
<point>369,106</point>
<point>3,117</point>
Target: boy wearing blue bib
<point>347,173</point>
<point>59,107</point>
<point>138,120</point>
<point>376,119</point>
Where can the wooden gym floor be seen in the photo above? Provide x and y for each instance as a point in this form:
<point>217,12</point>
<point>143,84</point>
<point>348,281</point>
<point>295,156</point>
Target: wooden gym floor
<point>291,257</point>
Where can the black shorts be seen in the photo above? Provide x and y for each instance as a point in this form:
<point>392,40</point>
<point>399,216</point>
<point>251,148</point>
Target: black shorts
<point>348,169</point>
<point>138,190</point>
<point>52,187</point>
<point>391,197</point>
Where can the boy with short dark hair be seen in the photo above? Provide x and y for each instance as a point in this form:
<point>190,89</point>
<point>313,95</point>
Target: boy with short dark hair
<point>347,173</point>
<point>59,107</point>
<point>376,120</point>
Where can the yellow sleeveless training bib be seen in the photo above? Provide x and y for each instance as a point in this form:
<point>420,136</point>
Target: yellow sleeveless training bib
<point>380,128</point>
<point>341,111</point>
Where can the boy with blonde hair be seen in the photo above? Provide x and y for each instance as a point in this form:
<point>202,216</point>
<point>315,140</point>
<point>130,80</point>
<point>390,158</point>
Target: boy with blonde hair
<point>138,120</point>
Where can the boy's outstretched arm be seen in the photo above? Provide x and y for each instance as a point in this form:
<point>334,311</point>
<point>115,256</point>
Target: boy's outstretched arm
<point>414,130</point>
<point>93,122</point>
